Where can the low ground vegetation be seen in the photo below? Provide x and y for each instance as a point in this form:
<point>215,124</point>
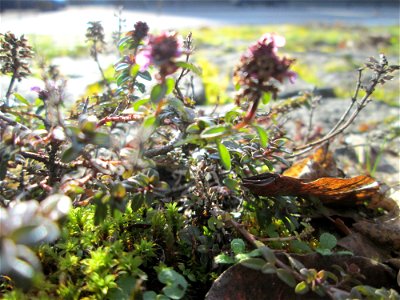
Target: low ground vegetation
<point>135,193</point>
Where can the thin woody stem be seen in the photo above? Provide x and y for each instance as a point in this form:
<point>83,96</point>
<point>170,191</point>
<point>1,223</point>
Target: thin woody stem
<point>341,127</point>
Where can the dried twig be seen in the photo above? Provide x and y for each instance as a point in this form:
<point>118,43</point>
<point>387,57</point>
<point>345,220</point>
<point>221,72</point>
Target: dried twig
<point>165,149</point>
<point>381,70</point>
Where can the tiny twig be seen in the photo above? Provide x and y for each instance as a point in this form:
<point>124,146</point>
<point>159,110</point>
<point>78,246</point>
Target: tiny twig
<point>184,71</point>
<point>314,102</point>
<point>165,149</point>
<point>10,87</point>
<point>120,119</point>
<point>353,100</point>
<point>342,124</point>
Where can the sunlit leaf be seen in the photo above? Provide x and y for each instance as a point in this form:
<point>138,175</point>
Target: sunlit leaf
<point>139,103</point>
<point>230,183</point>
<point>134,70</point>
<point>224,156</point>
<point>214,131</point>
<point>145,75</point>
<point>266,98</point>
<point>121,66</point>
<point>263,135</point>
<point>237,246</point>
<point>158,92</point>
<point>195,69</point>
<point>224,259</point>
<point>302,288</point>
<point>21,98</point>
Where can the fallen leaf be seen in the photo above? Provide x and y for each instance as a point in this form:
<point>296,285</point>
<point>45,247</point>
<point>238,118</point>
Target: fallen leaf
<point>362,246</point>
<point>240,282</point>
<point>387,233</point>
<point>319,164</point>
<point>337,191</point>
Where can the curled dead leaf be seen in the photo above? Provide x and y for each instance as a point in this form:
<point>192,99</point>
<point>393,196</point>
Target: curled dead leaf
<point>319,164</point>
<point>336,191</point>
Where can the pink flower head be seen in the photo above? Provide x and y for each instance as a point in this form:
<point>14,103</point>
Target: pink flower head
<point>42,93</point>
<point>161,51</point>
<point>273,38</point>
<point>261,66</point>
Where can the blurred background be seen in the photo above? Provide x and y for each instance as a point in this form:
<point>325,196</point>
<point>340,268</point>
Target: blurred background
<point>329,38</point>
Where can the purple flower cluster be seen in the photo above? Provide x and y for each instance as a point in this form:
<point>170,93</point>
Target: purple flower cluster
<point>260,66</point>
<point>140,31</point>
<point>161,51</point>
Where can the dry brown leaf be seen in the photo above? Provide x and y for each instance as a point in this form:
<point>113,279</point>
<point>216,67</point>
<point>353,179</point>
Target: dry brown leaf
<point>337,191</point>
<point>319,164</point>
<point>387,233</point>
<point>362,246</point>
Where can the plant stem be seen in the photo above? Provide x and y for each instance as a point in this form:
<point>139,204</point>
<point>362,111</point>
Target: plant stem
<point>10,87</point>
<point>343,125</point>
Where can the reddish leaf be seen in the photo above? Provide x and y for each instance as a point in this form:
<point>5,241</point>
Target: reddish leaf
<point>319,164</point>
<point>339,191</point>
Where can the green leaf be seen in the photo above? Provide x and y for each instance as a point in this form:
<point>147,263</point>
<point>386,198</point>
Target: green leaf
<point>299,246</point>
<point>214,131</point>
<point>323,251</point>
<point>170,84</point>
<point>282,160</point>
<point>295,263</point>
<point>176,284</point>
<point>238,246</point>
<point>268,268</point>
<point>149,295</point>
<point>126,286</point>
<point>224,259</point>
<point>302,288</point>
<point>174,291</point>
<point>140,86</point>
<point>231,115</point>
<point>145,75</point>
<point>195,69</point>
<point>70,154</point>
<point>263,136</point>
<point>266,97</point>
<point>121,66</point>
<point>149,121</point>
<point>122,78</point>
<point>123,43</point>
<point>140,102</point>
<point>268,254</point>
<point>253,263</point>
<point>230,183</point>
<point>134,71</point>
<point>327,241</point>
<point>158,92</point>
<point>137,201</point>
<point>193,128</point>
<point>21,98</point>
<point>100,213</point>
<point>286,277</point>
<point>224,156</point>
